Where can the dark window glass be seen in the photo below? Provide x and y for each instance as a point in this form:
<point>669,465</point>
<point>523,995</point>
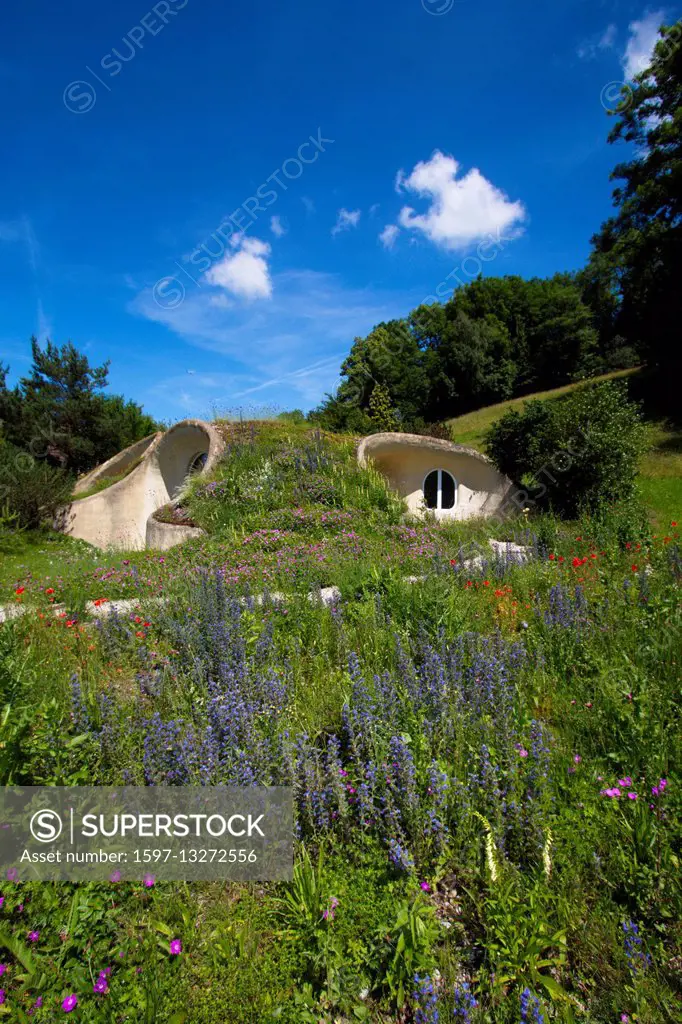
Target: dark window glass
<point>198,462</point>
<point>447,491</point>
<point>431,490</point>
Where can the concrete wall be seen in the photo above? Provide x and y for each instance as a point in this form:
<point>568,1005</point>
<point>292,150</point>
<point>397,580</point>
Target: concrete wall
<point>406,459</point>
<point>117,516</point>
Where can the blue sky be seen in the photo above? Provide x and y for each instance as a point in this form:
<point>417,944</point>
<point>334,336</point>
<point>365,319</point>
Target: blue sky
<point>218,197</point>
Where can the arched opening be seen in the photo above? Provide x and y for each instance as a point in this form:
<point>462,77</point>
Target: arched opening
<point>197,463</point>
<point>183,450</point>
<point>440,490</point>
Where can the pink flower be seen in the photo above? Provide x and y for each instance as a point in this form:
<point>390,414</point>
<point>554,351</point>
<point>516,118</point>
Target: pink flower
<point>627,781</point>
<point>33,936</point>
<point>3,968</point>
<point>632,796</point>
<point>70,1003</point>
<point>577,758</point>
<point>176,947</point>
<point>148,881</point>
<point>2,996</point>
<point>12,874</point>
<point>425,887</point>
<point>523,753</point>
<point>115,876</point>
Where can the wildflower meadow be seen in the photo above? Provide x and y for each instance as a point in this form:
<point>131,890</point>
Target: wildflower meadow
<point>484,754</point>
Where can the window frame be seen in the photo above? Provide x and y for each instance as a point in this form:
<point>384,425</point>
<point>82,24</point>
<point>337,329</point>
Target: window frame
<point>439,491</point>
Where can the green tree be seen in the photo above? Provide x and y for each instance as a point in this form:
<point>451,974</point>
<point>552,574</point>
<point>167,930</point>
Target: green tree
<point>59,413</point>
<point>637,254</point>
<point>580,451</point>
<point>381,410</point>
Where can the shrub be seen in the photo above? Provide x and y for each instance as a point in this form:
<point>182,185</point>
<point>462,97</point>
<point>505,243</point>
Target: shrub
<point>31,491</point>
<point>577,452</point>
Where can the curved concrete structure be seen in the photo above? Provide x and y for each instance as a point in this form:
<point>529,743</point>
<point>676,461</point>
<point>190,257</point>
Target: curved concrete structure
<point>436,477</point>
<point>117,516</point>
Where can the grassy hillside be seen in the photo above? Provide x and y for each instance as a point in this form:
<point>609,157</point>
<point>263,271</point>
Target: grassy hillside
<point>660,481</point>
<point>471,428</point>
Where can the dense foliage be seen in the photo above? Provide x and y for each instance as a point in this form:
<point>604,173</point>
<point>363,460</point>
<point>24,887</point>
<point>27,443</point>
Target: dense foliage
<point>496,338</point>
<point>31,491</point>
<point>59,414</point>
<point>483,761</point>
<point>635,269</point>
<point>579,451</point>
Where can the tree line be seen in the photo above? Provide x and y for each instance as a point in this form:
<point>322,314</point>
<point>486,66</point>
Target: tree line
<point>498,338</point>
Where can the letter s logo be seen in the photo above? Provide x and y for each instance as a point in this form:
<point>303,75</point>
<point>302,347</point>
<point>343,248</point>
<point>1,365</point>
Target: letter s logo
<point>46,826</point>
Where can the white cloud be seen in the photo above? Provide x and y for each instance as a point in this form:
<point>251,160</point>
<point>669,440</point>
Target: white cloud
<point>346,219</point>
<point>590,48</point>
<point>277,227</point>
<point>640,46</point>
<point>287,350</point>
<point>462,210</point>
<point>389,235</point>
<point>22,231</point>
<point>246,272</point>
<point>373,209</point>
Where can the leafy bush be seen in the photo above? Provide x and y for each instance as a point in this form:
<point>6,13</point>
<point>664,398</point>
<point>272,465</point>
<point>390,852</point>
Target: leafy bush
<point>577,452</point>
<point>31,491</point>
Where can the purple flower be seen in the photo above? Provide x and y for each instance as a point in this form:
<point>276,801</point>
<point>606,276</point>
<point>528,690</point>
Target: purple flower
<point>176,947</point>
<point>523,753</point>
<point>632,796</point>
<point>3,968</point>
<point>148,881</point>
<point>115,876</point>
<point>33,936</point>
<point>627,781</point>
<point>12,874</point>
<point>425,887</point>
<point>2,996</point>
<point>577,758</point>
<point>70,1003</point>
<point>101,986</point>
<point>2,900</point>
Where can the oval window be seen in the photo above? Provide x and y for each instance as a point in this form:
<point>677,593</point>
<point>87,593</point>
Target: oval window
<point>440,490</point>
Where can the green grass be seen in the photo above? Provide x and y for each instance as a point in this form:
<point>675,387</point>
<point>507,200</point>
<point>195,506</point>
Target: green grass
<point>660,478</point>
<point>471,428</point>
<point>106,481</point>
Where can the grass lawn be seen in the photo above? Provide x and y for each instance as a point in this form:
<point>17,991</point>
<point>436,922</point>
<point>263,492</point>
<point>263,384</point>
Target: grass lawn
<point>471,428</point>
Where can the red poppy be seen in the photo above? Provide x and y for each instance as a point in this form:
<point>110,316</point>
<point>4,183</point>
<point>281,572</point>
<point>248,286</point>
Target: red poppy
<point>576,562</point>
<point>70,623</point>
<point>561,558</point>
<point>634,568</point>
<point>19,590</point>
<point>469,583</point>
<point>453,562</point>
<point>628,546</point>
<point>486,583</point>
<point>552,557</point>
<point>138,619</point>
<point>139,634</point>
<point>499,593</point>
<point>578,538</point>
<point>674,523</point>
<point>49,590</point>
